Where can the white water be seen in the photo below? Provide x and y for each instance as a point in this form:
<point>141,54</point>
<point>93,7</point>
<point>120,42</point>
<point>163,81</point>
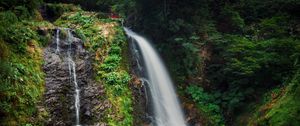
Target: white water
<point>77,91</point>
<point>72,71</point>
<point>57,41</point>
<point>167,111</point>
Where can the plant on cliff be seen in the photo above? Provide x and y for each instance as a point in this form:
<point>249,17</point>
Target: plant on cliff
<point>21,79</point>
<point>208,104</point>
<point>21,76</point>
<point>116,81</point>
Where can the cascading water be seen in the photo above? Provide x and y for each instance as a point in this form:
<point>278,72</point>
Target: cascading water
<point>57,41</point>
<point>73,78</point>
<point>167,111</point>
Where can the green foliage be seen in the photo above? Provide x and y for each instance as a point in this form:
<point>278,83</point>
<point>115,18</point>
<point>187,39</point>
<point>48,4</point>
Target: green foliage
<point>248,65</point>
<point>21,87</point>
<point>116,81</point>
<point>79,18</point>
<point>18,33</point>
<point>21,76</point>
<point>7,19</point>
<point>115,50</point>
<point>115,78</point>
<point>255,10</point>
<point>232,18</point>
<point>190,59</point>
<point>111,63</point>
<point>123,7</point>
<point>277,26</point>
<point>281,106</point>
<point>85,21</point>
<point>5,52</point>
<point>21,5</point>
<point>187,52</point>
<point>208,104</point>
<point>54,11</point>
<point>20,37</point>
<point>22,12</point>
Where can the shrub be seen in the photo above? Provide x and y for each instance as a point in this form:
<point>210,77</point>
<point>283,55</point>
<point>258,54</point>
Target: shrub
<point>208,104</point>
<point>276,26</point>
<point>233,19</point>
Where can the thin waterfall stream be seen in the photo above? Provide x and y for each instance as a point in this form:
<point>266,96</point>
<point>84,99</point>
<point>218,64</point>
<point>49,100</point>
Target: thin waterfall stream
<point>57,41</point>
<point>71,94</point>
<point>167,110</point>
<point>73,78</point>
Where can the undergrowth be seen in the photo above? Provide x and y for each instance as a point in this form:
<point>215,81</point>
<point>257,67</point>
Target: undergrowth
<point>21,76</point>
<point>281,106</point>
<point>208,104</point>
<point>116,81</point>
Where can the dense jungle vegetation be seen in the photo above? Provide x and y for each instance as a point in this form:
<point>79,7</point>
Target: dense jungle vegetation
<point>235,61</point>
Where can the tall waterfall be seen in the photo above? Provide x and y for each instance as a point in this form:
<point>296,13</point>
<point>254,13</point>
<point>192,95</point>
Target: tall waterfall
<point>167,111</point>
<point>73,78</point>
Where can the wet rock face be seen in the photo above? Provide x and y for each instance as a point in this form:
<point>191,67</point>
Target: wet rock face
<point>60,88</point>
<point>142,110</point>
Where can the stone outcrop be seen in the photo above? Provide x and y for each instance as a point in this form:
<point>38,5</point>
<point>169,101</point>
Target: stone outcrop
<point>59,92</point>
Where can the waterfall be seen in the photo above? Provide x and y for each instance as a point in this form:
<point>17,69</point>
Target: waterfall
<point>57,40</point>
<point>73,78</point>
<point>167,111</point>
